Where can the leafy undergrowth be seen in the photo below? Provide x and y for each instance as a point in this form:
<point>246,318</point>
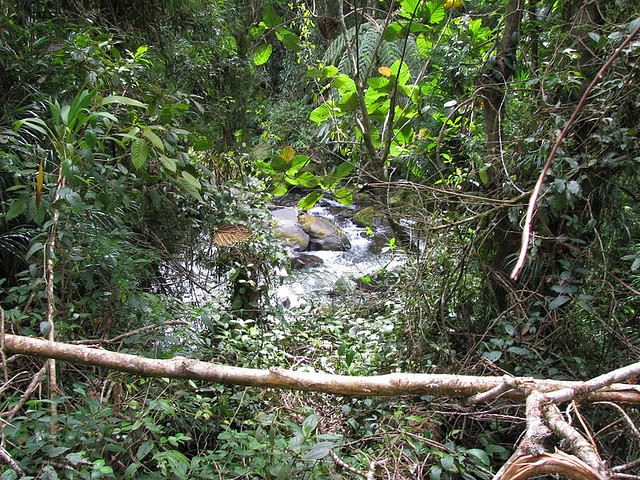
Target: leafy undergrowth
<point>112,425</point>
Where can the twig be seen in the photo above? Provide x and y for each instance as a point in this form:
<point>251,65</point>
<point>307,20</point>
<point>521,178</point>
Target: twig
<point>35,381</point>
<point>345,466</point>
<point>6,458</point>
<point>129,334</point>
<point>493,393</point>
<point>632,425</point>
<point>531,210</point>
<point>626,466</point>
<point>7,383</point>
<point>371,474</point>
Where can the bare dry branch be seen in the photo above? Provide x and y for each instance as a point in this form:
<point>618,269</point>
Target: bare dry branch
<point>394,384</point>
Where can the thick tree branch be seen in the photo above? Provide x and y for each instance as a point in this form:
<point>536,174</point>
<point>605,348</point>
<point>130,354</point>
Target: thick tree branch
<point>459,386</point>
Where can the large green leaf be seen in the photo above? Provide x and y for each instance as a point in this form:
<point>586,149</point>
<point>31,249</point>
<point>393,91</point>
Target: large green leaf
<point>139,153</point>
<point>288,39</point>
<point>262,53</point>
<point>17,208</point>
<point>155,140</point>
<point>319,451</point>
<point>309,200</point>
<point>122,101</point>
<point>323,113</point>
<point>190,184</point>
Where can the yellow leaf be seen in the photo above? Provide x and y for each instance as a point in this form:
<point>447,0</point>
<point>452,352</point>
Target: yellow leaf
<point>449,4</point>
<point>287,153</point>
<point>384,71</point>
<point>458,3</point>
<point>39,183</point>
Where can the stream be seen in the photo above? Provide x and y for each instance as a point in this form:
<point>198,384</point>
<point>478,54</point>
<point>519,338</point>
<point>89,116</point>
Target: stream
<point>313,285</point>
<point>298,288</point>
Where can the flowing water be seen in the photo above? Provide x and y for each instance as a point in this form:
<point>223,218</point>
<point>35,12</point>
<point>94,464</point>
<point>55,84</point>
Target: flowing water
<point>339,268</point>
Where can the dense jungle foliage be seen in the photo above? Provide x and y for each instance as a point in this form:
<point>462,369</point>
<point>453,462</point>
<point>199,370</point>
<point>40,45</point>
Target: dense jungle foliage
<point>131,131</point>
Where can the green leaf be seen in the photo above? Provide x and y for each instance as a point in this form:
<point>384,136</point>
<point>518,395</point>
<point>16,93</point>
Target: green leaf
<point>270,17</point>
<point>55,451</point>
<point>122,101</point>
<point>36,247</point>
<point>523,352</point>
<point>449,464</point>
<point>131,471</point>
<point>437,11</point>
<point>168,163</point>
<point>319,451</point>
<point>342,170</point>
<point>306,179</point>
<point>344,196</point>
<point>17,208</point>
<point>288,39</point>
<point>424,45</point>
<point>401,70</point>
<point>279,190</point>
<point>322,113</point>
<point>492,356</point>
<point>435,473</point>
<point>144,449</point>
<point>297,164</point>
<point>308,201</point>
<point>394,31</point>
<point>139,153</point>
<point>76,458</point>
<point>559,301</point>
<point>190,184</point>
<point>154,139</point>
<point>480,455</point>
<point>309,425</point>
<point>344,84</point>
<point>262,54</point>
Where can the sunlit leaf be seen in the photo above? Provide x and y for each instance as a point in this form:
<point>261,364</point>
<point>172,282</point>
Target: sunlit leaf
<point>39,182</point>
<point>122,101</point>
<point>262,54</point>
<point>309,200</point>
<point>287,153</point>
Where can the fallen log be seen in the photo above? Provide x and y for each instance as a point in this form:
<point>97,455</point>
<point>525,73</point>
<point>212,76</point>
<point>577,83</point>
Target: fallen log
<point>455,386</point>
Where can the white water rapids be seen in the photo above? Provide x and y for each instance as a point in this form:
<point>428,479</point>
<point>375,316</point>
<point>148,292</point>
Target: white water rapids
<point>338,268</point>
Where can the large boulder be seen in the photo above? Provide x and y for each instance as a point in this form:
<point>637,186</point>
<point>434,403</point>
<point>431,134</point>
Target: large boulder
<point>293,236</point>
<point>285,215</point>
<point>323,233</point>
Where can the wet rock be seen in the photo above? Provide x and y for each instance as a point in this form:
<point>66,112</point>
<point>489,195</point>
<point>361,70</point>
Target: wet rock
<point>368,217</point>
<point>285,216</point>
<point>293,236</point>
<point>287,228</point>
<point>323,233</point>
<point>301,261</point>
